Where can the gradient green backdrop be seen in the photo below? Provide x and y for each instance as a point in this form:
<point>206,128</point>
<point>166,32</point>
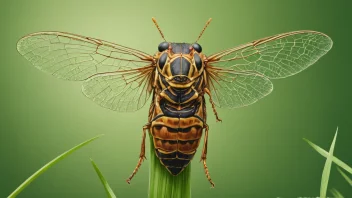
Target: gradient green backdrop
<point>256,151</point>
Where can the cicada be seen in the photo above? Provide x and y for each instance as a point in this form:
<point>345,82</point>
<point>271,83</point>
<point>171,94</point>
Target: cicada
<point>177,77</point>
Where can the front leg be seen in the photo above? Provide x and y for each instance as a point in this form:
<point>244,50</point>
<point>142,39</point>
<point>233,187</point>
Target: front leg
<point>206,90</point>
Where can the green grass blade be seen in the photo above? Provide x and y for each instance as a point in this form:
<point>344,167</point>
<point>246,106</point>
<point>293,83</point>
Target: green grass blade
<point>327,167</point>
<point>103,181</point>
<point>336,193</point>
<point>162,183</point>
<point>48,165</point>
<point>325,154</point>
<point>349,180</point>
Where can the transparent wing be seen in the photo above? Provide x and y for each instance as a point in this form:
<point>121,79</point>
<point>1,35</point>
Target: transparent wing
<point>125,90</point>
<point>277,56</point>
<point>231,89</point>
<point>117,77</point>
<point>74,57</point>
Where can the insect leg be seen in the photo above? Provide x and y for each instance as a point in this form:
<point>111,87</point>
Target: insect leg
<point>204,156</point>
<point>141,155</point>
<point>206,90</point>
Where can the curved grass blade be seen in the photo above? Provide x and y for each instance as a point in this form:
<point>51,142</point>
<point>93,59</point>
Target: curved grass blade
<point>327,167</point>
<point>336,193</point>
<point>103,181</point>
<point>349,180</point>
<point>336,160</point>
<point>48,165</point>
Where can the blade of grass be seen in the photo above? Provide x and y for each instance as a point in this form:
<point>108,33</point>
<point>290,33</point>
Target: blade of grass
<point>327,167</point>
<point>162,183</point>
<point>325,154</point>
<point>336,193</point>
<point>103,181</point>
<point>48,165</point>
<point>345,176</point>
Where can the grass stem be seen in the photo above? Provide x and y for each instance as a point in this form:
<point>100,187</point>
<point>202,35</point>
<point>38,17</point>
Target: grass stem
<point>48,165</point>
<point>163,184</point>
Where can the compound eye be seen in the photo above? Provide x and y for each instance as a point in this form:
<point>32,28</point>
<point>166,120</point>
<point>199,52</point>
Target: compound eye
<point>163,46</point>
<point>197,47</point>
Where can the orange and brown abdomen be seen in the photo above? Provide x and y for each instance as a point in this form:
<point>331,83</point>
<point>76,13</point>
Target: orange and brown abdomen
<point>177,132</point>
<point>176,141</point>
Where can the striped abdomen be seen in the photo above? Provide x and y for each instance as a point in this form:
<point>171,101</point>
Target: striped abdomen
<point>177,128</point>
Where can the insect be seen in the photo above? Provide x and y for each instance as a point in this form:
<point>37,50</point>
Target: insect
<point>177,76</point>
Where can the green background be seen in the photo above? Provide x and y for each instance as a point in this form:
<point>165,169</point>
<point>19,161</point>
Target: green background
<point>256,151</point>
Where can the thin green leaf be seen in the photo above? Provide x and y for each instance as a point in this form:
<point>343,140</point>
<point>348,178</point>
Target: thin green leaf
<point>327,167</point>
<point>103,181</point>
<point>162,183</point>
<point>325,154</point>
<point>349,180</point>
<point>48,165</point>
<point>336,193</point>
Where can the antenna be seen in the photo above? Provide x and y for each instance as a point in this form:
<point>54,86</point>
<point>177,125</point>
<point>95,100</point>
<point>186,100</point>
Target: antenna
<point>157,26</point>
<point>205,27</point>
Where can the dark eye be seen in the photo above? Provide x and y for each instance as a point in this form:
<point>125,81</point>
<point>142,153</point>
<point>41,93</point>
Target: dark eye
<point>197,47</point>
<point>197,61</point>
<point>163,46</point>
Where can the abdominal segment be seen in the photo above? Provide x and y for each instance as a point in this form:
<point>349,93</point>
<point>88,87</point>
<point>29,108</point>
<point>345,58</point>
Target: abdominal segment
<point>177,124</point>
<point>176,140</point>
